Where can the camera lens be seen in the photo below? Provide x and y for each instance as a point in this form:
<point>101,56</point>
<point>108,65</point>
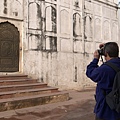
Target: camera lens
<point>101,51</point>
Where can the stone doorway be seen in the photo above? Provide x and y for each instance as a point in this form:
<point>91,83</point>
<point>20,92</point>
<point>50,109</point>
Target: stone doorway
<point>9,48</point>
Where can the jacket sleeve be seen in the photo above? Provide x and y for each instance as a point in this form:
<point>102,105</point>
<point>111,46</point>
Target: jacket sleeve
<point>93,71</point>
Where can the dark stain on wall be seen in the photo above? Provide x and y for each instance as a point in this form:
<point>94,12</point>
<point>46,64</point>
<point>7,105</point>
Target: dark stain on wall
<point>16,13</point>
<point>53,43</point>
<point>75,80</point>
<point>39,15</point>
<point>5,7</point>
<point>45,43</point>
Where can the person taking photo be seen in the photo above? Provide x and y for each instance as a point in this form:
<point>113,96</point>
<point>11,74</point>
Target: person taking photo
<point>104,75</point>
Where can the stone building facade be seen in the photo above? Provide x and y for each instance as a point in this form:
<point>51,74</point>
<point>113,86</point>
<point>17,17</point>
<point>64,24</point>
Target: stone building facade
<point>54,40</point>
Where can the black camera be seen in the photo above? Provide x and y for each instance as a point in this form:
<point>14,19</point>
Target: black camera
<point>101,51</point>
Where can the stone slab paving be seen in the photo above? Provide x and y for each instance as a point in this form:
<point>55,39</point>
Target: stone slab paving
<point>79,107</point>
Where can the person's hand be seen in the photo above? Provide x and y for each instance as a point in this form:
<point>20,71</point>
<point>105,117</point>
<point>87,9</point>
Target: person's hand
<point>96,54</point>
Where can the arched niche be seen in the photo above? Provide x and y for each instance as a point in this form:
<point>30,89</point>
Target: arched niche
<point>64,22</point>
<point>106,30</point>
<point>76,24</point>
<point>114,32</point>
<point>51,19</point>
<point>98,29</point>
<point>16,8</point>
<point>34,17</point>
<point>88,27</point>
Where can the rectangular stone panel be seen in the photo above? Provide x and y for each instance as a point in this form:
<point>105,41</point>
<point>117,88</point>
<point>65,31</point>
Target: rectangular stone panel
<point>64,21</point>
<point>89,47</point>
<point>66,45</point>
<point>88,5</point>
<point>78,46</point>
<point>106,12</point>
<point>97,9</point>
<point>114,14</point>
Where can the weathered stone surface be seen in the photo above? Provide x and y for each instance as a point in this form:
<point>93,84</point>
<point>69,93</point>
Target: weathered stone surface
<point>17,103</point>
<point>53,32</point>
<point>26,94</point>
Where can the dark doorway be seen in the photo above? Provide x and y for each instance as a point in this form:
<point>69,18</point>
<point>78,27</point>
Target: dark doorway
<point>9,48</point>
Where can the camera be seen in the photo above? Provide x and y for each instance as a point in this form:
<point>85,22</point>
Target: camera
<point>101,51</point>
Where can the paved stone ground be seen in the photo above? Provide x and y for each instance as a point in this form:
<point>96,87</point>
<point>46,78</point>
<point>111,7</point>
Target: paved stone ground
<point>79,107</point>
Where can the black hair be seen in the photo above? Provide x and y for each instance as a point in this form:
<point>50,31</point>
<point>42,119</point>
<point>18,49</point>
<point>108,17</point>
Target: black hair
<point>112,49</point>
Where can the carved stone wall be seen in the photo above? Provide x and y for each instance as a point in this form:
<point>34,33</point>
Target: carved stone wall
<point>55,42</point>
<point>58,37</point>
<point>11,9</point>
<point>101,25</point>
<point>11,12</point>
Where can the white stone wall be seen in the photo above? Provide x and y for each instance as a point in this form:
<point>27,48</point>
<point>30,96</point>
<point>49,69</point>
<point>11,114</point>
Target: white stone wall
<point>58,49</point>
<point>58,37</point>
<point>101,25</point>
<point>12,11</point>
<point>52,52</point>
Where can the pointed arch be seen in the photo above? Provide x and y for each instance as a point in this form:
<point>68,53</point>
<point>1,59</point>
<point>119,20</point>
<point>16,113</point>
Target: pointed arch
<point>51,19</point>
<point>34,16</point>
<point>76,24</point>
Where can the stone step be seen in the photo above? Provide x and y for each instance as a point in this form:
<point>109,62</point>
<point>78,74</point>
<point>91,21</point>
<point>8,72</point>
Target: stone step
<point>22,87</point>
<point>29,101</point>
<point>20,91</point>
<point>17,81</point>
<point>7,77</point>
<point>28,92</point>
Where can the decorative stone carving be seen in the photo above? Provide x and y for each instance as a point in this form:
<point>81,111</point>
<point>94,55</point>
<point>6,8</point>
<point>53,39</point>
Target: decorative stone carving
<point>11,8</point>
<point>76,3</point>
<point>16,8</point>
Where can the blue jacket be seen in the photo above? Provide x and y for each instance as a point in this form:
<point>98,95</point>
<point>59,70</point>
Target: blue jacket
<point>104,77</point>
